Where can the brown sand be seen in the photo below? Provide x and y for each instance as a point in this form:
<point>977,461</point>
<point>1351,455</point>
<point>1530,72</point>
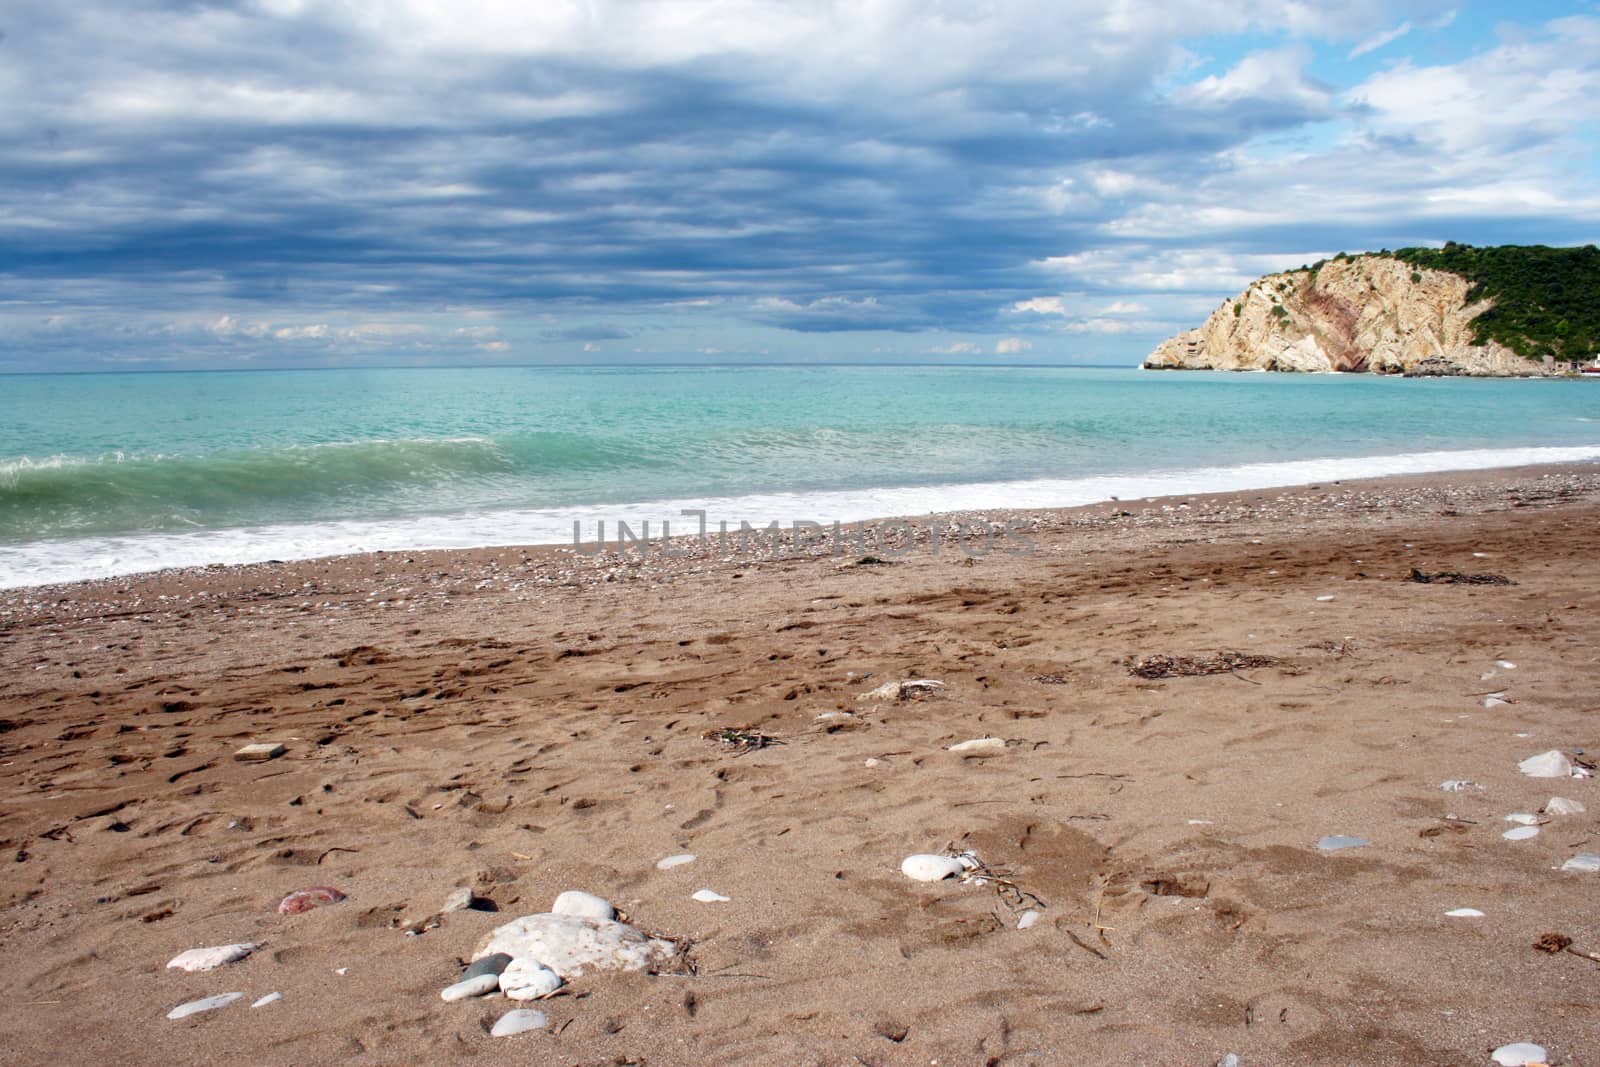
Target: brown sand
<point>529,722</point>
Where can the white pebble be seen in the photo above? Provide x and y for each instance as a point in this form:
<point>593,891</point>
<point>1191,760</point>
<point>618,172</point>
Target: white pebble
<point>1521,1054</point>
<point>1505,664</point>
<point>1496,700</point>
<point>270,998</point>
<point>979,746</point>
<point>926,867</point>
<point>1521,833</point>
<point>1522,818</point>
<point>709,896</point>
<point>1582,863</point>
<point>872,761</point>
<point>1552,764</point>
<point>526,978</point>
<point>476,986</point>
<point>1324,599</point>
<point>194,1007</point>
<point>1465,913</point>
<point>584,905</point>
<point>205,959</point>
<point>675,861</point>
<point>518,1022</point>
<point>1563,806</point>
<point>1335,842</point>
<point>1027,919</point>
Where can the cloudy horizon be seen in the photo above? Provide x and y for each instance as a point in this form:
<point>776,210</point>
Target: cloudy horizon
<point>273,183</point>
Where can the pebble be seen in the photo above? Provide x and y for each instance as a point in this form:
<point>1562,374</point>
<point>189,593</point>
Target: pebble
<point>1522,818</point>
<point>1465,913</point>
<point>567,944</point>
<point>194,1007</point>
<point>528,979</point>
<point>1521,1054</point>
<point>902,690</point>
<point>1583,863</point>
<point>459,900</point>
<point>270,998</point>
<point>518,1022</point>
<point>490,965</point>
<point>926,867</point>
<point>206,959</point>
<point>1505,664</point>
<point>675,861</point>
<point>1563,806</point>
<point>979,746</point>
<point>1335,842</point>
<point>259,751</point>
<point>1324,599</point>
<point>1521,833</point>
<point>1496,700</point>
<point>475,986</point>
<point>709,896</point>
<point>1552,764</point>
<point>313,896</point>
<point>586,905</point>
<point>1027,919</point>
<point>1454,785</point>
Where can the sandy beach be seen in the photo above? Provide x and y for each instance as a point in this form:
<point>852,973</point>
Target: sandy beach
<point>526,721</point>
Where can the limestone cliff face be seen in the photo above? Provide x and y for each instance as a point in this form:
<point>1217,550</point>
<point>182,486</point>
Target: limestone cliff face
<point>1362,314</point>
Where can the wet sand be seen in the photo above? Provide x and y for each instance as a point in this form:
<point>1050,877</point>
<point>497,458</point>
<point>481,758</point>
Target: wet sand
<point>528,721</point>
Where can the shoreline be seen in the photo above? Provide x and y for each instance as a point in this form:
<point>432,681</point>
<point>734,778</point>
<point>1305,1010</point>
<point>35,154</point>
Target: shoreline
<point>848,508</point>
<point>524,722</point>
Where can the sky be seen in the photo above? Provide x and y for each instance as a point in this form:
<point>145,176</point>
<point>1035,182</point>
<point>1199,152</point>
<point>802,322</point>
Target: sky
<point>293,183</point>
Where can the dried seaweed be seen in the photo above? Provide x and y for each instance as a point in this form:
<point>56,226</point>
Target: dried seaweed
<point>1193,667</point>
<point>742,738</point>
<point>1454,578</point>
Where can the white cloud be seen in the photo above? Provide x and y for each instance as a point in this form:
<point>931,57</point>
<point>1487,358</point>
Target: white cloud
<point>1123,307</point>
<point>959,348</point>
<point>1008,346</point>
<point>1040,305</point>
<point>1378,40</point>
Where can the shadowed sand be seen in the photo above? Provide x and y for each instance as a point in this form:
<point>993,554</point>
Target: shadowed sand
<point>525,722</point>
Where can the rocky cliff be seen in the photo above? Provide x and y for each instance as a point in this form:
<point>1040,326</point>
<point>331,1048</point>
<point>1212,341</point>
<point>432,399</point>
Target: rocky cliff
<point>1367,313</point>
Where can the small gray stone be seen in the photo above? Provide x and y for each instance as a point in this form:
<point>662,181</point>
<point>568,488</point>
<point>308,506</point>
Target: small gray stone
<point>492,965</point>
<point>519,1021</point>
<point>460,900</point>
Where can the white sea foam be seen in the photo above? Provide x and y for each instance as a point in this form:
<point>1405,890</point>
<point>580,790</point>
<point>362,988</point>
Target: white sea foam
<point>46,562</point>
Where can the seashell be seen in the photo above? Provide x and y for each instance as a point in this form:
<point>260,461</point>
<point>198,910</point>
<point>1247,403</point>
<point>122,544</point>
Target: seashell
<point>709,896</point>
<point>1521,833</point>
<point>586,905</point>
<point>206,959</point>
<point>194,1007</point>
<point>675,861</point>
<point>528,979</point>
<point>1521,1054</point>
<point>270,998</point>
<point>312,896</point>
<point>926,867</point>
<point>1465,913</point>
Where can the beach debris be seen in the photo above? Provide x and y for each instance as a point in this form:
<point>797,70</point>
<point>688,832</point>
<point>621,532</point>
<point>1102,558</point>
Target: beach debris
<point>576,902</point>
<point>1337,842</point>
<point>927,867</point>
<point>1505,664</point>
<point>1523,818</point>
<point>979,746</point>
<point>195,1007</point>
<point>1582,863</point>
<point>675,861</point>
<point>1497,700</point>
<point>1552,764</point>
<point>207,959</point>
<point>519,1021</point>
<point>1464,913</point>
<point>1052,679</point>
<point>259,751</point>
<point>1324,598</point>
<point>906,690</point>
<point>1459,785</point>
<point>1453,578</point>
<point>1521,1054</point>
<point>1553,942</point>
<point>476,986</point>
<point>1230,1060</point>
<point>1027,919</point>
<point>1521,833</point>
<point>1563,806</point>
<point>1194,667</point>
<point>270,998</point>
<point>709,896</point>
<point>1201,822</point>
<point>341,971</point>
<point>528,979</point>
<point>742,738</point>
<point>312,896</point>
<point>569,944</point>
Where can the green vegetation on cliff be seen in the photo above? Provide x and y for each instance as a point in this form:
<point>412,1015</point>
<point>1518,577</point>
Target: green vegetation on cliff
<point>1546,300</point>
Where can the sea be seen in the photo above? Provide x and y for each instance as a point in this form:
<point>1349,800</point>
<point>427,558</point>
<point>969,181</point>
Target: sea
<point>111,474</point>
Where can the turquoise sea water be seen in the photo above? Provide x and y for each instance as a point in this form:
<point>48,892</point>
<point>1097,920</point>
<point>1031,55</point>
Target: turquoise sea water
<point>103,474</point>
